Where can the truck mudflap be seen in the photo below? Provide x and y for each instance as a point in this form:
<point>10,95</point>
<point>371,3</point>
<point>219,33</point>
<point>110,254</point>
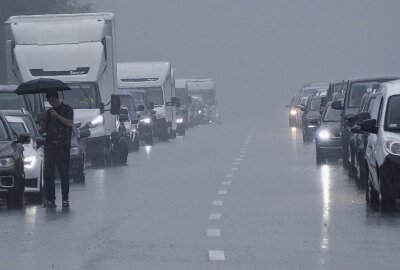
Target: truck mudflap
<point>390,175</point>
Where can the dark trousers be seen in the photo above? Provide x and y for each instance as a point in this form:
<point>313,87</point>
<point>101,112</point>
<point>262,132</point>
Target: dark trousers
<point>56,156</point>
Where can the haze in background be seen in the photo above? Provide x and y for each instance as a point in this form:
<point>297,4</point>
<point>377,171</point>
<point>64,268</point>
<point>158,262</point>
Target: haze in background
<point>260,52</point>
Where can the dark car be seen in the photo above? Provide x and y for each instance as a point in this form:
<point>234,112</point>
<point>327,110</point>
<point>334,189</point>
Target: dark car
<point>34,103</point>
<point>327,139</point>
<point>349,107</point>
<point>12,177</point>
<point>77,158</point>
<point>146,116</point>
<point>310,117</point>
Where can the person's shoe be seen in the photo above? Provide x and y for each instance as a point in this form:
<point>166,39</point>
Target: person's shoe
<point>65,203</point>
<point>49,204</point>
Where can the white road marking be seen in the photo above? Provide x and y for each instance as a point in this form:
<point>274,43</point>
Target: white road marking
<point>222,192</point>
<point>243,152</point>
<point>216,255</point>
<point>218,203</point>
<point>242,156</point>
<point>234,169</point>
<point>227,183</point>
<point>239,159</point>
<point>229,175</point>
<point>214,216</point>
<point>214,233</point>
<point>236,163</point>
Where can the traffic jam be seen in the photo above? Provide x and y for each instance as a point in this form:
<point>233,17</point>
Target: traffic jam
<point>358,122</point>
<point>118,107</point>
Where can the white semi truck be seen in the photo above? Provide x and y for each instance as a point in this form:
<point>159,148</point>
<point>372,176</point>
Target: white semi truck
<point>205,89</point>
<point>156,78</point>
<point>78,49</point>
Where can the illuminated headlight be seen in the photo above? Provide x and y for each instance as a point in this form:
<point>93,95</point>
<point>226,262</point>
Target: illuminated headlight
<point>97,121</point>
<point>6,162</point>
<point>293,112</point>
<point>199,111</point>
<point>146,120</point>
<point>311,126</point>
<point>324,134</point>
<point>393,147</point>
<point>74,151</point>
<point>179,120</point>
<point>30,162</point>
<point>159,116</point>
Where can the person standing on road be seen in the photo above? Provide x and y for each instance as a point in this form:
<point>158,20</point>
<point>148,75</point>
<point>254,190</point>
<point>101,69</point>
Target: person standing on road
<point>57,123</point>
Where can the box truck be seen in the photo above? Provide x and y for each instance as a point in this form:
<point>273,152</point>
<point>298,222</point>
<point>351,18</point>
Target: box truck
<point>205,89</point>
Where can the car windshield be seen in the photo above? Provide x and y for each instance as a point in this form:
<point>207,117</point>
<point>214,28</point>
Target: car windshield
<point>393,114</point>
<point>155,95</point>
<point>208,96</point>
<point>82,96</point>
<point>295,101</point>
<point>332,115</point>
<point>181,93</point>
<point>3,132</point>
<point>315,104</point>
<point>11,101</point>
<point>18,127</point>
<point>339,87</point>
<point>358,90</point>
<point>309,91</point>
<point>303,101</point>
<point>127,102</point>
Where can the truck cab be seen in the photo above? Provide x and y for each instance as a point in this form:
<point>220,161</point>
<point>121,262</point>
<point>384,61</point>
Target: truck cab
<point>205,89</point>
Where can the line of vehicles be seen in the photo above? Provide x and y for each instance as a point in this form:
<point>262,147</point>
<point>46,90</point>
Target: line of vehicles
<point>117,106</point>
<point>357,121</point>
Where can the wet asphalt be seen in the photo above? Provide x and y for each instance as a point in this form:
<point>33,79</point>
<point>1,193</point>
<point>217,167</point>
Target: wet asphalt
<point>240,195</point>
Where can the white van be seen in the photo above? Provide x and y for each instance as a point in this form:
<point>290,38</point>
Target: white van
<point>78,49</point>
<point>383,147</point>
<point>157,80</point>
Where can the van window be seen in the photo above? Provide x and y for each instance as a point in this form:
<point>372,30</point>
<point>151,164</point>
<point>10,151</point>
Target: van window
<point>11,101</point>
<point>393,114</point>
<point>378,120</point>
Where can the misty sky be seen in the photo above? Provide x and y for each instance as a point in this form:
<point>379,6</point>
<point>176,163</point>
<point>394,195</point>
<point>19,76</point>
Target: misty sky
<point>260,52</point>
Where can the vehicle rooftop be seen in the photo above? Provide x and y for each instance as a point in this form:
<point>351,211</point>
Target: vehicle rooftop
<point>143,74</point>
<point>55,17</point>
<point>8,88</point>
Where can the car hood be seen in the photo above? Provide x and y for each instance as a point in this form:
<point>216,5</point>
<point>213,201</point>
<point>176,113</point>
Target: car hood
<point>85,116</point>
<point>314,115</point>
<point>333,127</point>
<point>6,149</point>
<point>393,135</point>
<point>160,110</point>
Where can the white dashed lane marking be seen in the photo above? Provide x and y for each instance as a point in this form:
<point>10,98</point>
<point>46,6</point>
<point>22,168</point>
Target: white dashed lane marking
<point>229,175</point>
<point>222,192</point>
<point>236,163</point>
<point>218,203</point>
<point>234,169</point>
<point>216,255</point>
<point>214,216</point>
<point>226,183</point>
<point>214,233</point>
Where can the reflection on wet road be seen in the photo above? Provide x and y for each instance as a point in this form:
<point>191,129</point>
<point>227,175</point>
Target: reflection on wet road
<point>223,197</point>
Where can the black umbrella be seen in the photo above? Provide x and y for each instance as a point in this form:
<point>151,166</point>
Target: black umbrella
<point>41,85</point>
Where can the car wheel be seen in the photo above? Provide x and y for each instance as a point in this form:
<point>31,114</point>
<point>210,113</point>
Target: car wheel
<point>387,202</point>
<point>80,176</point>
<point>16,199</point>
<point>363,175</point>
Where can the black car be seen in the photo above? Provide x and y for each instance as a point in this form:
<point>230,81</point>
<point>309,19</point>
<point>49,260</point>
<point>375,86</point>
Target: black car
<point>327,139</point>
<point>12,177</point>
<point>77,157</point>
<point>310,117</point>
<point>352,100</point>
<point>293,110</point>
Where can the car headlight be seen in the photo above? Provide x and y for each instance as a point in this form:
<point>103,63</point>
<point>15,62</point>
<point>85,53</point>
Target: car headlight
<point>6,162</point>
<point>179,120</point>
<point>74,151</point>
<point>146,120</point>
<point>159,116</point>
<point>324,134</point>
<point>30,162</point>
<point>95,122</point>
<point>199,111</point>
<point>393,147</point>
<point>293,112</point>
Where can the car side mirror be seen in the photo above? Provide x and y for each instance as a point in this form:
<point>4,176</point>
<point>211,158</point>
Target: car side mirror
<point>115,104</point>
<point>134,121</point>
<point>369,126</point>
<point>337,105</point>
<point>23,137</point>
<point>362,116</point>
<point>78,125</point>
<point>350,120</point>
<point>140,108</point>
<point>84,133</point>
<point>151,105</point>
<point>303,109</point>
<point>356,129</point>
<point>101,107</point>
<point>39,141</point>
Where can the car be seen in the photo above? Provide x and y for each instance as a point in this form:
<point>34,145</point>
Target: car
<point>383,147</point>
<point>22,122</point>
<point>299,114</point>
<point>334,88</point>
<point>310,117</point>
<point>132,124</point>
<point>359,170</point>
<point>352,100</point>
<point>197,111</point>
<point>327,139</point>
<point>12,174</point>
<point>77,157</point>
<point>293,110</point>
